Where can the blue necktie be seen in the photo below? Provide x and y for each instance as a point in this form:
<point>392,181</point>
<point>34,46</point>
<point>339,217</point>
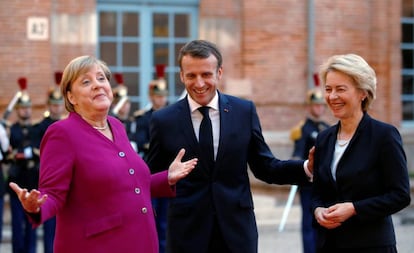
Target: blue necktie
<point>205,137</point>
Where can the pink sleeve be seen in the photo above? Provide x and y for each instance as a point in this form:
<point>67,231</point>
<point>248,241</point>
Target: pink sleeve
<point>160,186</point>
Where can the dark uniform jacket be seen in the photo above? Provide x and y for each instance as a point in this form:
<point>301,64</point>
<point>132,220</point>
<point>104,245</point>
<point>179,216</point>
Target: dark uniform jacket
<point>309,130</point>
<point>24,169</point>
<point>142,134</point>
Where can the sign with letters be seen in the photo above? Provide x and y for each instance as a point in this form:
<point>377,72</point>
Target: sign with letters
<point>37,28</point>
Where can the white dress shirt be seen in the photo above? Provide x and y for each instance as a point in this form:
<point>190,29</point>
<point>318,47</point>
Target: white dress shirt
<point>214,113</point>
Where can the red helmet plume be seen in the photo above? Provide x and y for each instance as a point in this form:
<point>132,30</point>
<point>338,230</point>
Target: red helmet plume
<point>22,83</point>
<point>316,79</point>
<point>119,78</point>
<point>160,69</point>
<point>58,77</point>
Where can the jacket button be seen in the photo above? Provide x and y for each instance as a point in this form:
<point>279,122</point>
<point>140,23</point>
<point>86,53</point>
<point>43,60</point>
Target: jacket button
<point>137,190</point>
<point>121,154</point>
<point>144,210</point>
<point>131,171</point>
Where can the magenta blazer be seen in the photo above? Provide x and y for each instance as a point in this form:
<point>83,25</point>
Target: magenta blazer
<point>100,190</point>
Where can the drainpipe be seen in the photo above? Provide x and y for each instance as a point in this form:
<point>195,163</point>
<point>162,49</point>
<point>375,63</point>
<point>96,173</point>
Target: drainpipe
<point>311,42</point>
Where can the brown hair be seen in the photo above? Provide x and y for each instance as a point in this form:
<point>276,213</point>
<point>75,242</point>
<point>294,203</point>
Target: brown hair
<point>200,49</point>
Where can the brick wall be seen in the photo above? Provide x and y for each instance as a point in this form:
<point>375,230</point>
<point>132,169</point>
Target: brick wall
<point>38,60</point>
<point>264,43</point>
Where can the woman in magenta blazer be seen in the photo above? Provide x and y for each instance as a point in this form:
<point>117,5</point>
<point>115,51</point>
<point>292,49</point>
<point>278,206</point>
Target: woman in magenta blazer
<point>91,178</point>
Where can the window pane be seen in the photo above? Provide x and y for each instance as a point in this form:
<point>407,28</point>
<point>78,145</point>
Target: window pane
<point>160,22</point>
<point>181,25</point>
<point>130,24</point>
<point>407,33</point>
<point>131,81</point>
<point>130,54</point>
<point>178,47</point>
<point>407,59</point>
<point>108,53</point>
<point>408,110</point>
<point>107,24</point>
<point>160,53</point>
<point>179,86</point>
<point>407,85</point>
<point>407,8</point>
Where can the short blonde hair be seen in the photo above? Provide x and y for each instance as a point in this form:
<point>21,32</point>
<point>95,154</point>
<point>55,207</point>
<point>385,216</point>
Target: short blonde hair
<point>74,69</point>
<point>358,69</point>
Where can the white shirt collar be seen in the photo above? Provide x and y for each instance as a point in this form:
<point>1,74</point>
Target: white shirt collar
<point>194,105</point>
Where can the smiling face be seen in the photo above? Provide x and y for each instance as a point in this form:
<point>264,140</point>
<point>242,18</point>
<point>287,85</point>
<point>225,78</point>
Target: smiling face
<point>200,77</point>
<point>91,93</point>
<point>342,96</point>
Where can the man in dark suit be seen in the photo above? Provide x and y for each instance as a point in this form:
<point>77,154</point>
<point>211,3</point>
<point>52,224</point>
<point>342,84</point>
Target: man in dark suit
<point>213,208</point>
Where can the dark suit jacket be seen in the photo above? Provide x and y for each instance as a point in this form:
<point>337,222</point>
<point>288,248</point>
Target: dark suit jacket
<point>372,174</point>
<point>225,190</point>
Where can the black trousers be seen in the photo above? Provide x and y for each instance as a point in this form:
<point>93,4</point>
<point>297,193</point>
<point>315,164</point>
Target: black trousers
<point>217,242</point>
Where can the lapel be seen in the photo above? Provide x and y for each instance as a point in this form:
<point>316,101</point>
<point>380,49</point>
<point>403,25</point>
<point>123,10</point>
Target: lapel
<point>357,136</point>
<point>330,154</point>
<point>186,125</point>
<point>226,116</point>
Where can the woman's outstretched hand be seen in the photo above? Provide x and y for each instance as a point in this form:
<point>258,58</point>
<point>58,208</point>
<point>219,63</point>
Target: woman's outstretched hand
<point>31,201</point>
<point>178,169</point>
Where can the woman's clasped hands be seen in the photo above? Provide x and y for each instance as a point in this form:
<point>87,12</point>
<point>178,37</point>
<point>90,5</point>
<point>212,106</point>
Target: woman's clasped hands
<point>333,216</point>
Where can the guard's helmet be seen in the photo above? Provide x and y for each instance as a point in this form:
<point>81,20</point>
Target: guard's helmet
<point>315,96</point>
<point>24,99</point>
<point>159,86</point>
<point>54,94</point>
<point>120,90</point>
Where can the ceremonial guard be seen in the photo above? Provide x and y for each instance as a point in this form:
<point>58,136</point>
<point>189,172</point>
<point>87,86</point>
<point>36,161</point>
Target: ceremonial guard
<point>157,92</point>
<point>121,108</point>
<point>304,135</point>
<point>158,96</point>
<point>4,147</point>
<point>24,170</point>
<point>55,107</point>
<point>55,112</point>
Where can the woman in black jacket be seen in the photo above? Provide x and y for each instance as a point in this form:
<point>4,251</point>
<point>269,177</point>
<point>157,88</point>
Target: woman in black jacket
<point>360,170</point>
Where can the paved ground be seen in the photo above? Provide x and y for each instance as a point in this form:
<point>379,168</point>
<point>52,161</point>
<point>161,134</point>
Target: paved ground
<point>269,206</point>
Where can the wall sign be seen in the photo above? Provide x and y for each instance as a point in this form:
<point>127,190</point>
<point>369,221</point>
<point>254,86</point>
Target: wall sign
<point>37,28</point>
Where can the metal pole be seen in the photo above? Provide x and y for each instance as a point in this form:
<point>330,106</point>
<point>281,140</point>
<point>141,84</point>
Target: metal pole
<point>289,203</point>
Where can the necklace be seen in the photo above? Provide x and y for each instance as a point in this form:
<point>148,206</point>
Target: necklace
<point>101,128</point>
<point>341,143</point>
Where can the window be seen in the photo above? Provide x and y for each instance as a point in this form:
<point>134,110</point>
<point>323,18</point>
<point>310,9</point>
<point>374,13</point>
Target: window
<point>135,37</point>
<point>407,51</point>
